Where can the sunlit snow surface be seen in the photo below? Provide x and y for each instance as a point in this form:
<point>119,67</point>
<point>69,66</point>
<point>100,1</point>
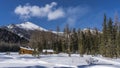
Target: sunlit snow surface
<point>30,26</point>
<point>14,60</point>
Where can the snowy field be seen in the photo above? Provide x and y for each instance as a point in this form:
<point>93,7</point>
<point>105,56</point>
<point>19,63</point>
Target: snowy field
<point>14,60</point>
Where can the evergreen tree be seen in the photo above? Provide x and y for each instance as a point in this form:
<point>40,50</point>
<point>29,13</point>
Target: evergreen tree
<point>104,37</point>
<point>111,39</point>
<point>96,38</point>
<point>74,41</point>
<point>118,44</point>
<point>81,42</point>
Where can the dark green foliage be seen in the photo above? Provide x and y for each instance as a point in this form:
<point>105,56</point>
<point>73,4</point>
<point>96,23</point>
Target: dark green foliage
<point>9,37</point>
<point>109,39</point>
<point>8,47</point>
<point>74,42</point>
<point>10,42</point>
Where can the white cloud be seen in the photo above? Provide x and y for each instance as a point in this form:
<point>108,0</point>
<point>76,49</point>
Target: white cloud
<point>48,11</point>
<point>23,11</point>
<point>56,14</point>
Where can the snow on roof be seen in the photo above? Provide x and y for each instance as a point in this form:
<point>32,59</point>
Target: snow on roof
<point>47,50</point>
<point>27,48</point>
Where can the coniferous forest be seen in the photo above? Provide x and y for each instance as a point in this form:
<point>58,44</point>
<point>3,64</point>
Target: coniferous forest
<point>105,42</point>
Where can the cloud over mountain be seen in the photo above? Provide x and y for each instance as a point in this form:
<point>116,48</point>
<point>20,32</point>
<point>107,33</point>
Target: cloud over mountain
<point>49,11</point>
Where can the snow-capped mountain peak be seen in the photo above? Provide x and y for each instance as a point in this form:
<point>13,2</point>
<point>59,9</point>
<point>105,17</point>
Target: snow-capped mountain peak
<point>30,26</point>
<point>11,26</point>
<point>25,29</point>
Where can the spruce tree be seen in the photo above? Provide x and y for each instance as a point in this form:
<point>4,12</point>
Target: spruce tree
<point>104,37</point>
<point>81,42</point>
<point>110,45</point>
<point>74,41</point>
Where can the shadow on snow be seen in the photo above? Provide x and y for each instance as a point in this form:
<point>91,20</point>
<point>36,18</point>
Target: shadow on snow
<point>37,66</point>
<point>85,66</point>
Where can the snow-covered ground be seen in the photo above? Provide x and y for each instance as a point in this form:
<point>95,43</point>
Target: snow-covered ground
<point>14,60</point>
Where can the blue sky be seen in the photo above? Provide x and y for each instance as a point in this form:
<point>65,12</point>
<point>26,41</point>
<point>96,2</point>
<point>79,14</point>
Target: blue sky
<point>50,13</point>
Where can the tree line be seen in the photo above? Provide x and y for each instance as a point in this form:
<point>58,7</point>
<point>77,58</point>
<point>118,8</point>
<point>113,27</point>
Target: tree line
<point>11,42</point>
<point>93,42</point>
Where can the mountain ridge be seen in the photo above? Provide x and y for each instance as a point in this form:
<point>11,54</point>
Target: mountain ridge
<point>25,29</point>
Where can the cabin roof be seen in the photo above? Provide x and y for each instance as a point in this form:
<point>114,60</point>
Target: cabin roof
<point>27,48</point>
<point>48,50</point>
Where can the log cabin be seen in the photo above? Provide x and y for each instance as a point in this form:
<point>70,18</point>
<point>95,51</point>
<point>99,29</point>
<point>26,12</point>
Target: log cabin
<point>26,50</point>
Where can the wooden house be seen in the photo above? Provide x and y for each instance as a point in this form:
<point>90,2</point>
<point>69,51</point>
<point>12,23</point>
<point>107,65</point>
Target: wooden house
<point>26,50</point>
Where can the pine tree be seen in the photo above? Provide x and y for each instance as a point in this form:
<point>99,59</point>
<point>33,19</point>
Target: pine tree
<point>118,44</point>
<point>96,38</point>
<point>115,30</point>
<point>110,47</point>
<point>116,35</point>
<point>104,37</point>
<point>89,41</point>
<point>74,41</point>
<point>81,42</point>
